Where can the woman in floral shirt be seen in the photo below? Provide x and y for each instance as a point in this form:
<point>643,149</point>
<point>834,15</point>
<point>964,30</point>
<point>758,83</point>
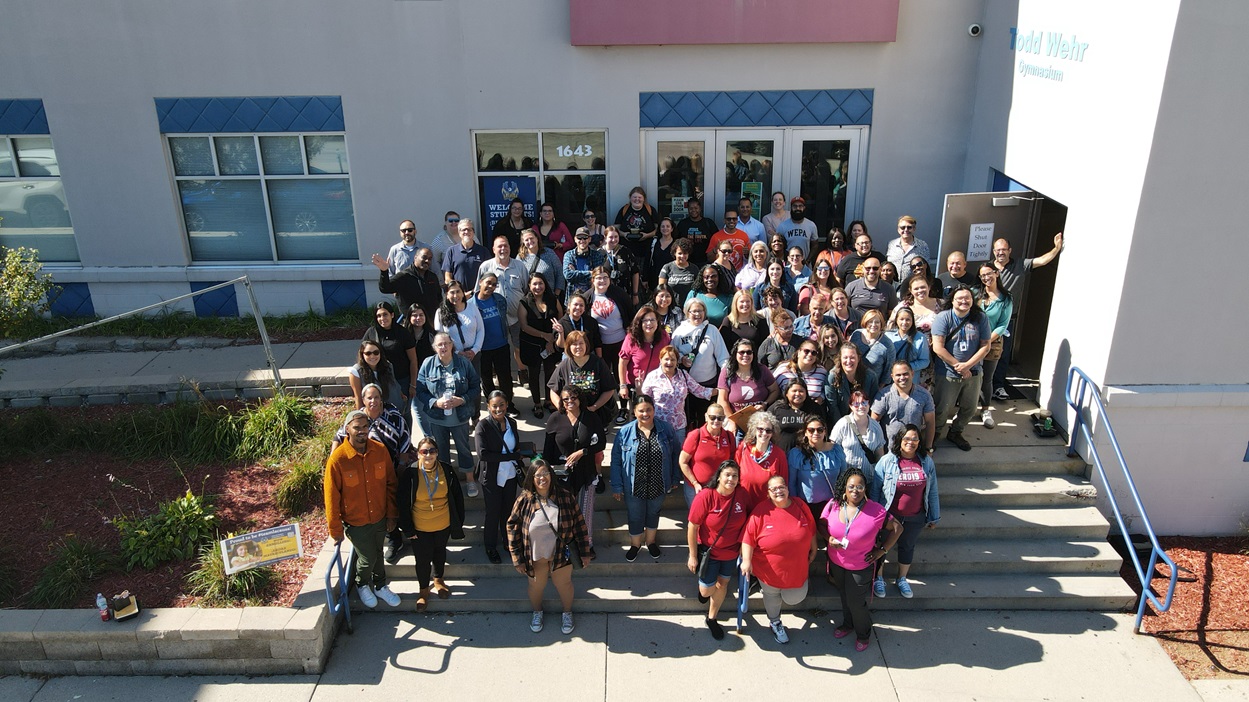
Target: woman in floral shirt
<point>669,385</point>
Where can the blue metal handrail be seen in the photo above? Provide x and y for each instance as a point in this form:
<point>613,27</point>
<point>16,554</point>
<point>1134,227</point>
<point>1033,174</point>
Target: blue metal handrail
<point>1078,384</point>
<point>337,598</point>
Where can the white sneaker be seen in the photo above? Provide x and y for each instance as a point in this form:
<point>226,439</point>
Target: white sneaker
<point>387,596</point>
<point>535,624</point>
<point>367,598</point>
<point>566,625</point>
<point>778,630</point>
<point>987,417</point>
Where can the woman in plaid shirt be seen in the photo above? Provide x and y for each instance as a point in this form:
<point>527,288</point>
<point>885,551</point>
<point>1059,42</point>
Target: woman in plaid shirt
<point>544,532</point>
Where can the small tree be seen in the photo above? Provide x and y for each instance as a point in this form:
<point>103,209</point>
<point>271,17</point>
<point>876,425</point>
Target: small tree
<point>23,290</point>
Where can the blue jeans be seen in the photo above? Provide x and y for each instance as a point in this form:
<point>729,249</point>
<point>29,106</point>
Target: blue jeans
<point>643,514</point>
<point>443,435</point>
<point>420,417</point>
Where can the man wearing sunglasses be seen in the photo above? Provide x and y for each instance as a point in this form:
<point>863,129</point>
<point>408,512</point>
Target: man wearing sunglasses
<point>403,254</point>
<point>870,292</point>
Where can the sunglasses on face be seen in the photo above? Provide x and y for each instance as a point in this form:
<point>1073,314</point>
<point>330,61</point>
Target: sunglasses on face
<point>427,451</point>
<point>405,230</point>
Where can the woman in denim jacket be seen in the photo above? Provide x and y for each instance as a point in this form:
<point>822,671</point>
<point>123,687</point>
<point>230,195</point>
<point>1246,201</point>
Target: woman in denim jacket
<point>906,486</point>
<point>652,443</point>
<point>447,388</point>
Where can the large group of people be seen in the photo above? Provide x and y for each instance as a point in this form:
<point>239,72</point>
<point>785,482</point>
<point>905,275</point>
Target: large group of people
<point>794,385</point>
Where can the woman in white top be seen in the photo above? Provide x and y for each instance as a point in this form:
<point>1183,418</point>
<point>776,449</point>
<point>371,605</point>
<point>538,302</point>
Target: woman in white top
<point>756,269</point>
<point>860,437</point>
<point>462,322</point>
<point>702,351</point>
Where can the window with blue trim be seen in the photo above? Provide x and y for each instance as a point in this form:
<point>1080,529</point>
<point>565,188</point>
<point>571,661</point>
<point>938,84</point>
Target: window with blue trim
<point>33,210</point>
<point>265,196</point>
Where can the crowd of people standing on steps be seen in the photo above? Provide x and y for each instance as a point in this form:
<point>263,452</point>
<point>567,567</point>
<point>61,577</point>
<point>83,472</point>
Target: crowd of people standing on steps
<point>794,385</point>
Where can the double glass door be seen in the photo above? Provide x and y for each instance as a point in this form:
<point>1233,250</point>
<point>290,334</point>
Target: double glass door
<point>823,165</point>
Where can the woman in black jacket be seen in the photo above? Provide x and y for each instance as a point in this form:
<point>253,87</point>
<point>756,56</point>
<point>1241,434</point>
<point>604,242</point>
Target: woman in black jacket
<point>431,511</point>
<point>499,467</point>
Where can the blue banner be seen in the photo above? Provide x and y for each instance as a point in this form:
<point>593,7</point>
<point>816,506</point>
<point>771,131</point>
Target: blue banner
<point>497,193</point>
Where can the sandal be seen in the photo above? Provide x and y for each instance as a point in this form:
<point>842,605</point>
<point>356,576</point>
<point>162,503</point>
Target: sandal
<point>422,601</point>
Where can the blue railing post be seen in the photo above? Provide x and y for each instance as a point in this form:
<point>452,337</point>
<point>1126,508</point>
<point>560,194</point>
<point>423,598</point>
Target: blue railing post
<point>337,597</point>
<point>1078,384</point>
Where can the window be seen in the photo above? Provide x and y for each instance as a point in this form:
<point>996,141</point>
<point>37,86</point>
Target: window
<point>567,168</point>
<point>33,212</point>
<point>265,197</point>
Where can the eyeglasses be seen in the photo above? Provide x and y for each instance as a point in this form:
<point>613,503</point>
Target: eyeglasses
<point>730,219</point>
<point>405,230</point>
<point>715,418</point>
<point>855,488</point>
<point>763,430</point>
<point>816,430</point>
<point>572,398</point>
<point>778,488</point>
<point>745,352</point>
<point>541,476</point>
<point>807,352</point>
<point>871,268</point>
<point>582,238</point>
<point>427,452</point>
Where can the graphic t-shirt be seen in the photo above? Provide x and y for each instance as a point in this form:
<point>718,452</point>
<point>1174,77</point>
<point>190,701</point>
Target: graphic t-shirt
<point>610,323</point>
<point>908,500</point>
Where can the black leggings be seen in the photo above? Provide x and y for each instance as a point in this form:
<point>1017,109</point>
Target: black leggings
<point>853,587</point>
<point>496,362</point>
<point>430,548</point>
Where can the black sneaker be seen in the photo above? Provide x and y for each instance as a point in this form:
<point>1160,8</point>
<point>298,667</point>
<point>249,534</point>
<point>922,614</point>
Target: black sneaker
<point>653,549</point>
<point>393,551</point>
<point>958,440</point>
<point>512,411</point>
<point>717,631</point>
<point>631,554</point>
<point>621,417</point>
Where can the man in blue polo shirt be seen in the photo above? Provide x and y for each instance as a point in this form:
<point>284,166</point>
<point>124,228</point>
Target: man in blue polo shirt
<point>960,338</point>
<point>464,260</point>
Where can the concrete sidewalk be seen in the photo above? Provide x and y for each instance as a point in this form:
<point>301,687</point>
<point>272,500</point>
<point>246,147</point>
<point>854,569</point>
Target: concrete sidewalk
<point>920,656</point>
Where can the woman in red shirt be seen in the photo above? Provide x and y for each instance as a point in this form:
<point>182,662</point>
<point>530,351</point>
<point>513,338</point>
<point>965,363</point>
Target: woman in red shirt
<point>704,450</point>
<point>716,521</point>
<point>759,456</point>
<point>778,547</point>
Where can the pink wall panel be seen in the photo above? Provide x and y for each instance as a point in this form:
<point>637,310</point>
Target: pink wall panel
<point>651,22</point>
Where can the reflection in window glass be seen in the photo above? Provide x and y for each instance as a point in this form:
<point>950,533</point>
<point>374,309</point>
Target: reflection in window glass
<point>281,155</point>
<point>35,215</point>
<point>571,151</point>
<point>326,154</point>
<point>749,170</point>
<point>35,157</point>
<point>192,156</point>
<point>313,219</point>
<point>236,155</point>
<point>225,220</point>
<point>6,159</point>
<point>680,175</point>
<point>509,151</point>
<point>825,167</point>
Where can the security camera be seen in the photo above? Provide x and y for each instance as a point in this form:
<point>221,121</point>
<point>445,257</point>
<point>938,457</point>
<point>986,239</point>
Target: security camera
<point>974,30</point>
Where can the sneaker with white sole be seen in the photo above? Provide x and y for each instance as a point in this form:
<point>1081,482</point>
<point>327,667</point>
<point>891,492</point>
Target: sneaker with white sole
<point>367,598</point>
<point>878,586</point>
<point>472,490</point>
<point>987,417</point>
<point>905,588</point>
<point>535,622</point>
<point>778,630</point>
<point>566,624</point>
<point>385,594</point>
<point>1001,394</point>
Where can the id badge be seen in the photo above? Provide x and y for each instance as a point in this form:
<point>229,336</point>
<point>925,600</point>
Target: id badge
<point>962,346</point>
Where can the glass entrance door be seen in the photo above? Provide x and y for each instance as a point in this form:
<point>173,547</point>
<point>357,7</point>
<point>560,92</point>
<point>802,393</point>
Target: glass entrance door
<point>824,165</point>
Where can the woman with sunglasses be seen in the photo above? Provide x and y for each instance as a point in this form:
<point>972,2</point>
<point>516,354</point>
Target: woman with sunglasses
<point>717,518</point>
<point>545,532</point>
<point>919,269</point>
<point>744,382</point>
<point>821,284</point>
<point>905,483</point>
<point>499,468</point>
<point>805,365</point>
<point>996,303</point>
<point>431,511</point>
<point>371,367</point>
<point>593,227</point>
<point>759,456</point>
<point>575,439</point>
<point>815,464</point>
<point>706,447</point>
<point>853,524</point>
<point>860,437</point>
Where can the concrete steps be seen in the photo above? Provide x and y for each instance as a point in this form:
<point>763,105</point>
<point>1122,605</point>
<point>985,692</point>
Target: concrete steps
<point>1019,530</point>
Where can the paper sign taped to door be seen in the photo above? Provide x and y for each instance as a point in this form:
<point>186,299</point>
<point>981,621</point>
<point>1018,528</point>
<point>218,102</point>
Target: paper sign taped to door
<point>980,242</point>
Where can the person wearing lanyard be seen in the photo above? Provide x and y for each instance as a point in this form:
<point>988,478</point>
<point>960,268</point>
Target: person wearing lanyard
<point>497,440</point>
<point>432,513</point>
<point>852,522</point>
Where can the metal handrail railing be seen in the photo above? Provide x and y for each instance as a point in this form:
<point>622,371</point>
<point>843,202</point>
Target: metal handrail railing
<point>336,597</point>
<point>251,297</point>
<point>1078,383</point>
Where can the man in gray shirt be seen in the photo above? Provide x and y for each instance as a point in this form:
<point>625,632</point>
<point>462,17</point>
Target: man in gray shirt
<point>402,254</point>
<point>960,338</point>
<point>870,292</point>
<point>905,403</point>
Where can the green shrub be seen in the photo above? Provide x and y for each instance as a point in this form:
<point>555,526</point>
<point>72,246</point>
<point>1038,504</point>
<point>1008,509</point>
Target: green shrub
<point>274,426</point>
<point>63,580</point>
<point>210,582</point>
<point>23,291</point>
<point>301,484</point>
<point>174,532</point>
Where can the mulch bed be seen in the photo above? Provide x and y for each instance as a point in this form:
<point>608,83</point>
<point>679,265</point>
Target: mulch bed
<point>48,498</point>
<point>1206,630</point>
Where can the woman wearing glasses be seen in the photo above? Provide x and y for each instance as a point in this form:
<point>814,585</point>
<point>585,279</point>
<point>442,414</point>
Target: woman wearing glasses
<point>759,456</point>
<point>744,382</point>
<point>706,447</point>
<point>860,437</point>
<point>906,485</point>
<point>431,512</point>
<point>593,226</point>
<point>815,464</point>
<point>575,439</point>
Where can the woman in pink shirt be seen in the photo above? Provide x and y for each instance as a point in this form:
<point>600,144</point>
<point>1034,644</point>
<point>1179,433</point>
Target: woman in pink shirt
<point>852,522</point>
<point>639,352</point>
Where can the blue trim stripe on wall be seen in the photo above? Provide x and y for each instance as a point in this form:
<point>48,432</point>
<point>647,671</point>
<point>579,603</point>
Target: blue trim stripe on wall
<point>71,300</point>
<point>343,295</point>
<point>322,113</point>
<point>756,108</point>
<point>218,303</point>
<point>23,117</point>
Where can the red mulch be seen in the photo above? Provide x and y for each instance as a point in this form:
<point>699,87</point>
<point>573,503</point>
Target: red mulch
<point>1206,630</point>
<point>38,514</point>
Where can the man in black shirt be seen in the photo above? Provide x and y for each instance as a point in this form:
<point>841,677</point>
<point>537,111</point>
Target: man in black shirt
<point>416,285</point>
<point>956,274</point>
<point>697,229</point>
<point>850,266</point>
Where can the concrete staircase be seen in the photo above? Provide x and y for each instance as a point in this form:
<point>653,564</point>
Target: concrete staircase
<point>1019,530</point>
